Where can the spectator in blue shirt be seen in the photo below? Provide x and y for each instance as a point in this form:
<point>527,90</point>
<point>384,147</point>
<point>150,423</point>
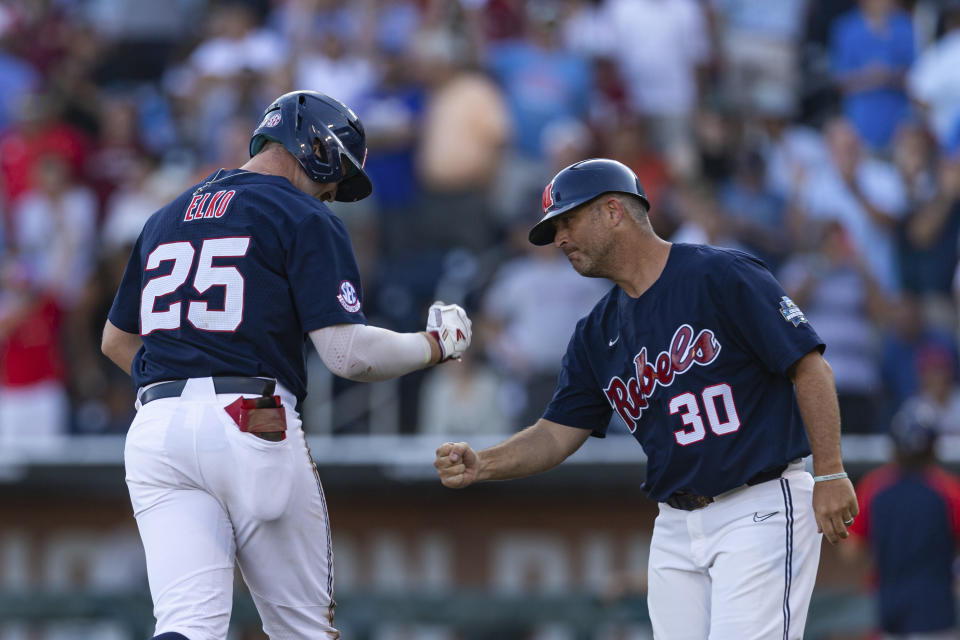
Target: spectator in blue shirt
<point>17,79</point>
<point>871,48</point>
<point>542,81</point>
<point>756,214</point>
<point>905,334</point>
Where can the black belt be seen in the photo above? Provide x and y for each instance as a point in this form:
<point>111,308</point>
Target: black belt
<point>221,384</point>
<point>690,502</point>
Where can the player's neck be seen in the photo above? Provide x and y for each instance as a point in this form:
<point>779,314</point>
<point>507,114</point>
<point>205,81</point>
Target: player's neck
<point>273,163</point>
<point>276,161</point>
<point>642,264</point>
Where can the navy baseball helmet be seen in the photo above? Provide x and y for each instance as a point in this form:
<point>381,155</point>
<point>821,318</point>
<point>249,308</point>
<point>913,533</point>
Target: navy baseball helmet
<point>915,427</point>
<point>579,183</point>
<point>324,135</point>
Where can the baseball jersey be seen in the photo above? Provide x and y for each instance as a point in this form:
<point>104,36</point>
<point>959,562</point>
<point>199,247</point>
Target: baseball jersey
<point>696,368</point>
<point>912,522</point>
<point>230,277</point>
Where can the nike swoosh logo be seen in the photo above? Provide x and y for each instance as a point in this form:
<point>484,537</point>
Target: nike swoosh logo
<point>760,518</point>
<point>614,341</point>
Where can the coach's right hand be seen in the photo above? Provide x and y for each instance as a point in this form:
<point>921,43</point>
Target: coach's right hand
<point>457,464</point>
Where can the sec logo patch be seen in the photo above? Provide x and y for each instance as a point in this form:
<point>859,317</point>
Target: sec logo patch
<point>348,297</point>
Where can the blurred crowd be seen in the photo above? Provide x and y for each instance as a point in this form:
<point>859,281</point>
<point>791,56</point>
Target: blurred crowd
<point>820,135</point>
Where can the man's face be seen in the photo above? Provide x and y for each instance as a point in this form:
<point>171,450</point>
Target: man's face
<point>581,237</point>
<point>877,6</point>
<point>326,191</point>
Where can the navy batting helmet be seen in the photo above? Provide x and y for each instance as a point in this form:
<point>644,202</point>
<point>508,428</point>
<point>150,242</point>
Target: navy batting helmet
<point>579,183</point>
<point>325,137</point>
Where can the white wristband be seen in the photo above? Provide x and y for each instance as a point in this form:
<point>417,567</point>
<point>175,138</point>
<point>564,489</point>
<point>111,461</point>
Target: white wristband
<point>831,476</point>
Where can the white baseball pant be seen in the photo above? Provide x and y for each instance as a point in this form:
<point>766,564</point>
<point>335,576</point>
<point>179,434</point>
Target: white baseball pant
<point>742,568</point>
<point>204,494</point>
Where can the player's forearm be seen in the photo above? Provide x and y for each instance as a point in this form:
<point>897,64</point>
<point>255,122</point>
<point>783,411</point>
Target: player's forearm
<point>817,399</point>
<point>120,346</point>
<point>536,449</point>
<point>370,354</point>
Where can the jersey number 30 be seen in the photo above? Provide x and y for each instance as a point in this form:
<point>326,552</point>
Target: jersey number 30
<point>689,409</point>
<point>207,275</point>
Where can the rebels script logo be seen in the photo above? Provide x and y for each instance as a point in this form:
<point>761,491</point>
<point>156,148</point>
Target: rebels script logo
<point>629,398</point>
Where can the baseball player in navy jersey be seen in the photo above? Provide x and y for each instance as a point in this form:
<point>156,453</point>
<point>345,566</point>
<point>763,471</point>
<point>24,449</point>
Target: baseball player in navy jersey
<point>720,378</point>
<point>909,524</point>
<point>211,321</point>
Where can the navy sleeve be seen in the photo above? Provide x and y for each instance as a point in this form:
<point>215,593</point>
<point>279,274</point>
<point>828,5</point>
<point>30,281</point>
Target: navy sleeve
<point>763,318</point>
<point>323,274</point>
<point>125,311</point>
<point>579,401</point>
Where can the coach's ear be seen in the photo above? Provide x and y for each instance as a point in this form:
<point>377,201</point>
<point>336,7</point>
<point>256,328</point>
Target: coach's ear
<point>613,210</point>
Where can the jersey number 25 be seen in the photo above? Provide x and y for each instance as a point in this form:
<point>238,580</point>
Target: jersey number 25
<point>207,275</point>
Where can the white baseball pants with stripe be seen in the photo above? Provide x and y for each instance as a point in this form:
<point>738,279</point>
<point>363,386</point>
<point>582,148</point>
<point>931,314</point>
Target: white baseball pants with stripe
<point>741,568</point>
<point>206,495</point>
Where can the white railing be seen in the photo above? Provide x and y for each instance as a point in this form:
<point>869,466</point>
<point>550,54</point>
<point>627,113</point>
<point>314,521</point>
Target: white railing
<point>403,451</point>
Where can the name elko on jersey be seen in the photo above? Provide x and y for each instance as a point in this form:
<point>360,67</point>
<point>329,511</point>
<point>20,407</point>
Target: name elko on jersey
<point>629,398</point>
<point>209,205</point>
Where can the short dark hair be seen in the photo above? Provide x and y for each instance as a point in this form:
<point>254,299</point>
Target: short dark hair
<point>634,206</point>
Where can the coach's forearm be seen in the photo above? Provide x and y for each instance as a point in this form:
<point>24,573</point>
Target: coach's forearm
<point>817,398</point>
<point>536,449</point>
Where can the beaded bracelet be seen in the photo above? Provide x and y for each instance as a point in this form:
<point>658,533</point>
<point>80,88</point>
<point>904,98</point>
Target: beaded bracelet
<point>831,476</point>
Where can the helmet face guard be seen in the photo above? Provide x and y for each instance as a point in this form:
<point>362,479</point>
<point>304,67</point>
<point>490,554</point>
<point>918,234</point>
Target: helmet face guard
<point>578,184</point>
<point>325,137</point>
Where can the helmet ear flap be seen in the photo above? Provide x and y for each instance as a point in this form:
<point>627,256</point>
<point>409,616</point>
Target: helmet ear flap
<point>320,150</point>
<point>321,160</point>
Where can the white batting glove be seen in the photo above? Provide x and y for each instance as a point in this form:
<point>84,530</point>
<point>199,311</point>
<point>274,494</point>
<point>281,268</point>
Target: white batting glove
<point>449,324</point>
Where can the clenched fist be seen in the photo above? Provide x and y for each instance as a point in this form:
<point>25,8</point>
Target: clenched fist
<point>457,464</point>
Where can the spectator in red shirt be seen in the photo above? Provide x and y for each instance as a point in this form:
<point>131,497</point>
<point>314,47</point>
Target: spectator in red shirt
<point>53,240</point>
<point>38,133</point>
<point>33,399</point>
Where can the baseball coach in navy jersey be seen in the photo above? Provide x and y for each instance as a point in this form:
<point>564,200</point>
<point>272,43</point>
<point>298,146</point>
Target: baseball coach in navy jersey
<point>224,289</point>
<point>721,379</point>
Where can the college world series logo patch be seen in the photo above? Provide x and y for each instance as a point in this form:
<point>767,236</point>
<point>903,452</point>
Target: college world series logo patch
<point>791,312</point>
<point>348,297</point>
